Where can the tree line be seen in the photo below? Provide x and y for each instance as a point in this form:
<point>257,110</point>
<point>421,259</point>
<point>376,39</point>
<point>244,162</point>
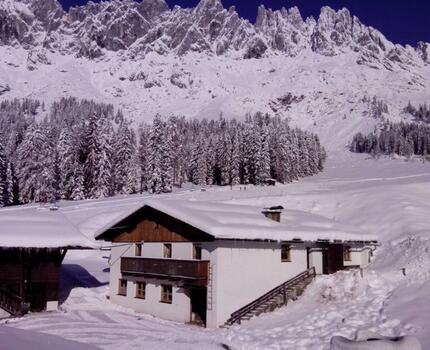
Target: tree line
<point>79,149</point>
<point>404,139</point>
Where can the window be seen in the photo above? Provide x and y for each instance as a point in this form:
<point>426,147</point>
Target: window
<point>122,287</point>
<point>140,290</point>
<point>197,252</point>
<point>138,249</point>
<point>285,252</point>
<point>166,294</point>
<point>347,253</point>
<point>167,250</point>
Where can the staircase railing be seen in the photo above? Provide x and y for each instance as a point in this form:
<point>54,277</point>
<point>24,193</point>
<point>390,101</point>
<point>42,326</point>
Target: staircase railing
<point>11,303</point>
<point>237,316</point>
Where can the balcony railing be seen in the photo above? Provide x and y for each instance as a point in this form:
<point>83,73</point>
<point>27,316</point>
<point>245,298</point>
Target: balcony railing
<point>192,272</point>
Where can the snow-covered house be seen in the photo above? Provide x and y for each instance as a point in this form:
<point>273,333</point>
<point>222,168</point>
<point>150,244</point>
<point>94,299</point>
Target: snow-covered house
<point>33,243</point>
<point>192,261</point>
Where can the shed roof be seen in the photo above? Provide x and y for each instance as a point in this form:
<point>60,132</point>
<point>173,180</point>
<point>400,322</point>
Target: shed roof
<point>36,227</point>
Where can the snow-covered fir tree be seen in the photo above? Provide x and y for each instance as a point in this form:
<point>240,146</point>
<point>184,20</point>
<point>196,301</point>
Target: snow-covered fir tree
<point>3,177</point>
<point>155,168</point>
<point>97,166</point>
<point>125,170</point>
<point>36,167</point>
<point>84,149</point>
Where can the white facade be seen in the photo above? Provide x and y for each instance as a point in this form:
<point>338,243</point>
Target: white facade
<point>359,257</point>
<point>240,272</point>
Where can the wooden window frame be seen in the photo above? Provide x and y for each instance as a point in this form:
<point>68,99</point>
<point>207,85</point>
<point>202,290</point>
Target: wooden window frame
<point>347,253</point>
<point>167,250</point>
<point>140,292</point>
<point>285,249</point>
<point>122,290</point>
<point>197,251</point>
<point>166,294</point>
<point>138,249</point>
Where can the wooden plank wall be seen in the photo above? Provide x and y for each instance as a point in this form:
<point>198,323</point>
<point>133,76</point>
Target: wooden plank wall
<point>150,225</point>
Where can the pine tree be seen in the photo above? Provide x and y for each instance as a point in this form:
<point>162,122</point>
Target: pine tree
<point>198,166</point>
<point>154,169</point>
<point>67,163</point>
<point>11,190</point>
<point>167,154</point>
<point>125,171</point>
<point>143,156</point>
<point>3,177</point>
<point>263,158</point>
<point>36,167</point>
<point>97,169</point>
<point>78,188</point>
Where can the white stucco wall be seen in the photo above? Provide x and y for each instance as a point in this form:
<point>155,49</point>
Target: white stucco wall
<point>360,256</point>
<point>240,272</point>
<point>179,310</point>
<point>245,270</point>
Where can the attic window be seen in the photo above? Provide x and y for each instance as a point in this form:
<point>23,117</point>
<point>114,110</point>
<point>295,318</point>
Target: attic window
<point>285,253</point>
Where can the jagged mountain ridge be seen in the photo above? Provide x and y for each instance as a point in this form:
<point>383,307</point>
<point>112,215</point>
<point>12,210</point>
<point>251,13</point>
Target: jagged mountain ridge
<point>151,26</point>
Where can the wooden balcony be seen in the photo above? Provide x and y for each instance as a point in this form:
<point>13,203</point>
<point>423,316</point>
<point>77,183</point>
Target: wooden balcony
<point>190,272</point>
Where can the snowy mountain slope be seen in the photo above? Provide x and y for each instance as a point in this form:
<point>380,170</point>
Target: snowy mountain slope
<point>196,85</point>
<point>146,58</point>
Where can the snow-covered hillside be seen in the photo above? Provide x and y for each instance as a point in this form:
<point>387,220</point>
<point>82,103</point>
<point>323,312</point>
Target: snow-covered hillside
<point>319,73</point>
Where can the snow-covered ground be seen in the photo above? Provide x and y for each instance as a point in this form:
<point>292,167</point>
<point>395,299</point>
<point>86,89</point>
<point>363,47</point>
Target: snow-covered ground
<point>388,198</point>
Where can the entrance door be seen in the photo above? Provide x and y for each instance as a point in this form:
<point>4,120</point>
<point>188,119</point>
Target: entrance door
<point>332,258</point>
<point>38,297</point>
<point>335,258</point>
<point>198,305</point>
<point>325,261</point>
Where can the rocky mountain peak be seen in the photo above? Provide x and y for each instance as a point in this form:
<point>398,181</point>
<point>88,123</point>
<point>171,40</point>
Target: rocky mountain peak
<point>150,25</point>
<point>152,8</point>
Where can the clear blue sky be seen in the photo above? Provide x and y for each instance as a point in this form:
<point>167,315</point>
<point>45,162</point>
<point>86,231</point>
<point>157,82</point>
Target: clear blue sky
<point>402,21</point>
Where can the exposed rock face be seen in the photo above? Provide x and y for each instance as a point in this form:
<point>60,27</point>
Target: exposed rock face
<point>150,26</point>
<point>423,50</point>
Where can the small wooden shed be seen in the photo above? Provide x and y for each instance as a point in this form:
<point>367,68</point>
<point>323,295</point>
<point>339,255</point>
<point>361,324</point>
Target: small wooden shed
<point>33,243</point>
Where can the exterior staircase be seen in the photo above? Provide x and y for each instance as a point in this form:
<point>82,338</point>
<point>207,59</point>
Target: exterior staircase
<point>11,303</point>
<point>275,298</point>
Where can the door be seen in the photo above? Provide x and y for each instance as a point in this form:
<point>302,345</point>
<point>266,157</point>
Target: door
<point>332,256</point>
<point>325,261</point>
<point>38,296</point>
<point>335,258</point>
<point>198,298</point>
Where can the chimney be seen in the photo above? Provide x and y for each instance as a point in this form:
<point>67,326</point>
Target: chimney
<point>273,213</point>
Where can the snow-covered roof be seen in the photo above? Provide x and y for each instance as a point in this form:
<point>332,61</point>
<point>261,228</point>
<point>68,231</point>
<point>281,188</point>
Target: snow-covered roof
<point>225,221</point>
<point>76,224</point>
<point>232,221</point>
<point>36,227</point>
